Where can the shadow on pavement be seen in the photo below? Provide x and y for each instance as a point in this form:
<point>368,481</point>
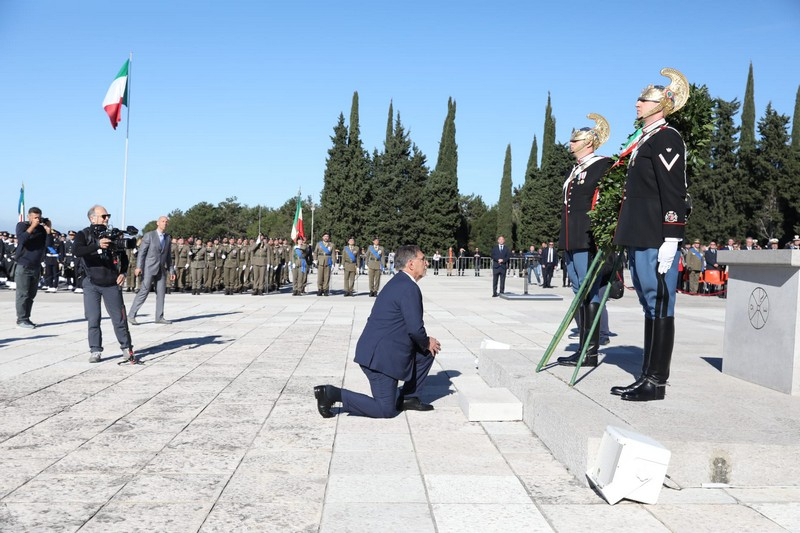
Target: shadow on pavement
<point>6,342</point>
<point>175,345</point>
<point>198,317</point>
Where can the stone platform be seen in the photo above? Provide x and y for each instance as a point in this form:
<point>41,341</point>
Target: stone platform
<point>218,429</point>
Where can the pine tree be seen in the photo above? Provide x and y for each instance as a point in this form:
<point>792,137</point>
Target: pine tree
<point>334,190</point>
<point>747,141</point>
<point>775,177</point>
<point>442,216</point>
<point>400,173</point>
<point>719,192</point>
<point>549,138</point>
<point>504,208</point>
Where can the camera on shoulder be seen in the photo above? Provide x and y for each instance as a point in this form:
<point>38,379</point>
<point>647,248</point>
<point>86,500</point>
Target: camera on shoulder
<point>121,240</point>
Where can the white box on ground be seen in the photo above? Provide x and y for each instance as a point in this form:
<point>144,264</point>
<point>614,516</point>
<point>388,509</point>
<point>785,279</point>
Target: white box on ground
<point>629,465</point>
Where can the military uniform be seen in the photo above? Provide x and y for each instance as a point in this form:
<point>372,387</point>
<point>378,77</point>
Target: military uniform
<point>259,252</point>
<point>231,267</point>
<point>299,268</point>
<point>375,263</point>
<point>323,253</point>
<point>287,250</point>
<point>350,263</point>
<point>182,265</point>
<point>198,266</point>
<point>245,266</point>
<point>695,264</point>
<point>575,238</point>
<point>651,225</point>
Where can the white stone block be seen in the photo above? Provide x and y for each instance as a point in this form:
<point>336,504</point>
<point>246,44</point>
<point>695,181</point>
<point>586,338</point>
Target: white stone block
<point>481,403</point>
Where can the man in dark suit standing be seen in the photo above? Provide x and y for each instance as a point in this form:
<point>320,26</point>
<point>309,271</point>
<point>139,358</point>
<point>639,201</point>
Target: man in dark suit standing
<point>394,346</point>
<point>500,257</point>
<point>549,261</point>
<point>155,260</point>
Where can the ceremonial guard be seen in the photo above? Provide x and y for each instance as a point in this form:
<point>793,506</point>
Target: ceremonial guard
<point>280,263</point>
<point>350,263</point>
<point>375,259</point>
<point>578,198</point>
<point>476,257</point>
<point>651,225</point>
<point>323,253</point>
<point>299,266</point>
<point>198,268</point>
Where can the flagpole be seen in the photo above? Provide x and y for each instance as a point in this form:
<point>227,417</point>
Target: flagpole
<point>127,131</point>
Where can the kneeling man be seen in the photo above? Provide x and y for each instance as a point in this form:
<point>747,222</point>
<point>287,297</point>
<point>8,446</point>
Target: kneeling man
<point>394,346</point>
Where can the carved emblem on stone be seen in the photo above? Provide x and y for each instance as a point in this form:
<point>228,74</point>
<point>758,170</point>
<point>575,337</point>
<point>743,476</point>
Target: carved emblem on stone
<point>758,308</point>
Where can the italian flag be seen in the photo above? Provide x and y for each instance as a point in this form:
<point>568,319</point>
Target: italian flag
<point>297,225</point>
<point>21,204</point>
<point>117,96</point>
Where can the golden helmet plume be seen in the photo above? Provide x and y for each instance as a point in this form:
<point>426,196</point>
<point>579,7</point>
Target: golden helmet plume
<point>670,98</point>
<point>597,135</point>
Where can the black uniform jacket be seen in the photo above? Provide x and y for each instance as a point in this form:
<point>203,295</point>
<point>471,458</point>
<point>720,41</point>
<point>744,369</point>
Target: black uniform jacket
<point>654,200</point>
<point>578,196</point>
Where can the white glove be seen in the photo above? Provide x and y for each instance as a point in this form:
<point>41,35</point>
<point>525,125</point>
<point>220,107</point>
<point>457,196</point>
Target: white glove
<point>666,255</point>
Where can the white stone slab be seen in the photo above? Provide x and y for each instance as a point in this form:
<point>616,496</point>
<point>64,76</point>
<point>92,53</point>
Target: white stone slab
<point>479,402</point>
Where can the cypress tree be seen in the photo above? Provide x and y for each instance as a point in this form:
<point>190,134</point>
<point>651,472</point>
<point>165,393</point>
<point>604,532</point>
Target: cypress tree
<point>540,204</point>
<point>747,141</point>
<point>504,207</point>
<point>796,124</point>
<point>549,138</point>
<point>357,184</point>
<point>442,214</point>
<point>532,161</point>
<point>334,196</point>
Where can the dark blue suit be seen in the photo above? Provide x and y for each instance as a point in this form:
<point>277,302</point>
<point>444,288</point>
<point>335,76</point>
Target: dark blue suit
<point>393,347</point>
<point>499,269</point>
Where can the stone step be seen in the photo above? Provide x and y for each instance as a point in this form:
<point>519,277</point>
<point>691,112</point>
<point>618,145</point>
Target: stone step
<point>482,403</point>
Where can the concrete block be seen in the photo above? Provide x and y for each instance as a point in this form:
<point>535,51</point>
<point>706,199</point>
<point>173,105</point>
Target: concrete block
<point>481,403</point>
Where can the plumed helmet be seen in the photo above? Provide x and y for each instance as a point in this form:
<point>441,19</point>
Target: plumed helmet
<point>670,98</point>
<point>597,135</point>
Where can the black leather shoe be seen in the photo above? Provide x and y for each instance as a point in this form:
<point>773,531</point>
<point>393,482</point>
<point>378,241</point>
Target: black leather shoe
<point>414,404</point>
<point>572,360</point>
<point>324,402</point>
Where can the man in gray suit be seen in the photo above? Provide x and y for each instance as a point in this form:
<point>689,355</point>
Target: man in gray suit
<point>155,260</point>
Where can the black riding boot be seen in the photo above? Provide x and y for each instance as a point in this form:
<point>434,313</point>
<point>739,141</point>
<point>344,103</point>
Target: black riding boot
<point>648,342</point>
<point>655,383</point>
<point>586,314</point>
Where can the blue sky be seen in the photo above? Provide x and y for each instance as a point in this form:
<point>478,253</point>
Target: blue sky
<point>240,98</point>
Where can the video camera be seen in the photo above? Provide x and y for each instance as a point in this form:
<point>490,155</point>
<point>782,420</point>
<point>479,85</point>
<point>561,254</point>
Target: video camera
<point>121,240</point>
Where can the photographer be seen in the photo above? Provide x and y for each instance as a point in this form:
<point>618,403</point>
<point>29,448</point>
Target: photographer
<point>105,264</point>
<point>33,237</point>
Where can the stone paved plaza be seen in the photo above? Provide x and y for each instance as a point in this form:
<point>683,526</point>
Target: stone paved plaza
<point>218,430</point>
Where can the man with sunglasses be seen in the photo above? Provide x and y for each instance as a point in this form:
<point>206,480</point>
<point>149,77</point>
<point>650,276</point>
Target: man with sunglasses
<point>652,222</point>
<point>105,268</point>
